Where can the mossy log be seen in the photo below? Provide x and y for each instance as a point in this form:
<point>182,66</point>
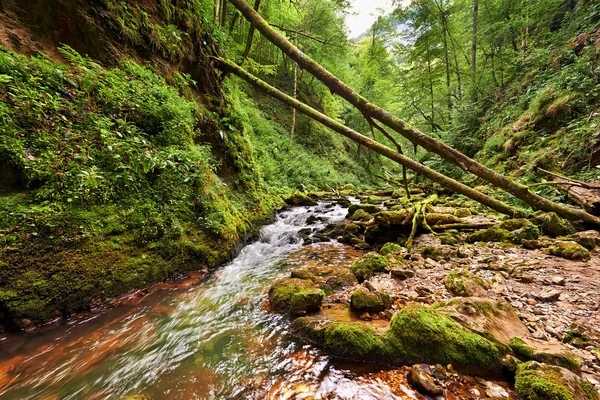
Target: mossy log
<point>372,144</point>
<point>370,110</point>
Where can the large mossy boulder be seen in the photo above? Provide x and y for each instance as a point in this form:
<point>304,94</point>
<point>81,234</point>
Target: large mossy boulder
<point>300,199</point>
<point>537,381</point>
<point>421,334</point>
<point>462,282</point>
<point>569,250</point>
<point>360,215</point>
<point>367,265</point>
<point>520,229</point>
<point>364,300</point>
<point>281,293</point>
<point>555,226</point>
<point>391,248</point>
<point>493,234</point>
<point>306,301</point>
<point>417,334</point>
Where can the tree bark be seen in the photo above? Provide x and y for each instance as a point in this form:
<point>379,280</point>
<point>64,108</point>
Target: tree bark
<point>474,52</point>
<point>369,109</point>
<point>372,144</point>
<point>246,52</point>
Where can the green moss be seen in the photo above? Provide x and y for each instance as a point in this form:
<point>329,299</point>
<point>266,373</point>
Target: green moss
<point>303,274</point>
<point>306,301</point>
<point>493,234</point>
<point>360,215</point>
<point>514,224</point>
<point>528,232</point>
<point>519,347</point>
<point>344,278</point>
<point>540,384</point>
<point>555,226</point>
<point>391,248</point>
<point>364,300</point>
<point>423,335</point>
<point>281,293</point>
<point>569,250</point>
<point>356,340</point>
<point>367,265</point>
<point>300,199</point>
<point>462,213</point>
<point>429,251</point>
<point>368,208</point>
<point>449,238</point>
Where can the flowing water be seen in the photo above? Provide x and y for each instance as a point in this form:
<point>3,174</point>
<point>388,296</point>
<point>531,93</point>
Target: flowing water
<point>212,340</point>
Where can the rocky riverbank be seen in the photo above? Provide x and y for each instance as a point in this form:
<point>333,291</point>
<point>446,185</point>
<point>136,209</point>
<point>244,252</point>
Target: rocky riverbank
<point>514,300</point>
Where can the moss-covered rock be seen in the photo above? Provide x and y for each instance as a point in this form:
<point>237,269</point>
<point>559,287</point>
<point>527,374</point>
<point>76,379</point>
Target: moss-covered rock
<point>462,282</point>
<point>303,274</point>
<point>588,239</point>
<point>552,353</point>
<point>462,213</point>
<point>281,293</point>
<point>300,199</point>
<point>343,278</point>
<point>353,340</point>
<point>368,208</point>
<point>555,226</point>
<point>348,187</point>
<point>535,381</point>
<point>514,224</point>
<point>581,334</point>
<point>421,334</point>
<point>528,232</point>
<point>352,229</point>
<point>360,215</point>
<point>359,244</point>
<point>367,265</point>
<point>364,300</point>
<point>449,238</point>
<point>569,250</point>
<point>391,248</point>
<point>306,301</point>
<point>493,234</point>
<point>401,218</point>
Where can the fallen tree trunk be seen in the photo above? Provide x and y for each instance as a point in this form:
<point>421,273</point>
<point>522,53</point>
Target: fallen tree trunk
<point>416,137</point>
<point>588,198</point>
<point>372,144</point>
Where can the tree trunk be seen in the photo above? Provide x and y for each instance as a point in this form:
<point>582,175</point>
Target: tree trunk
<point>418,138</point>
<point>474,52</point>
<point>224,13</point>
<point>370,143</point>
<point>246,52</point>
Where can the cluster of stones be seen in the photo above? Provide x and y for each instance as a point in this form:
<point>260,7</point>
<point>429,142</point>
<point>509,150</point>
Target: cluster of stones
<point>468,329</point>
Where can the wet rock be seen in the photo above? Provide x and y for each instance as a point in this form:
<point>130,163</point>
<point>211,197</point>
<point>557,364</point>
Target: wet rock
<point>306,301</point>
<point>281,293</point>
<point>555,226</point>
<point>549,296</point>
<point>549,352</point>
<point>401,273</point>
<point>303,274</point>
<point>363,300</point>
<point>461,282</point>
<point>537,381</point>
<point>420,380</point>
<point>569,250</point>
<point>342,278</point>
<point>367,265</point>
<point>495,391</point>
<point>366,316</point>
<point>359,244</point>
<point>300,199</point>
<point>313,220</point>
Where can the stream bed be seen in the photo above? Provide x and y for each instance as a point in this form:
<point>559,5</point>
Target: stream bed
<point>209,340</point>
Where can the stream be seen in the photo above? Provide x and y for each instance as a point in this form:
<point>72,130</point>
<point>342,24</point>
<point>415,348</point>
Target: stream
<point>208,340</point>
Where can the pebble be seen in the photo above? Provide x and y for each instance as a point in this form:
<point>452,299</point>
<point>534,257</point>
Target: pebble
<point>424,383</point>
<point>495,391</point>
<point>550,296</point>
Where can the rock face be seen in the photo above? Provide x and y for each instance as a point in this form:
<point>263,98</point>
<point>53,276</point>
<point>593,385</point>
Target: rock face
<point>463,283</point>
<point>367,265</point>
<point>536,381</point>
<point>364,300</point>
